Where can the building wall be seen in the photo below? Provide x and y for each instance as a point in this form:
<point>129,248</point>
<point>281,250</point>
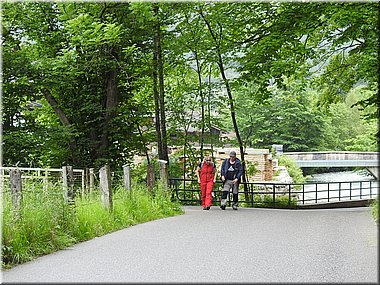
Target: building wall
<point>261,157</point>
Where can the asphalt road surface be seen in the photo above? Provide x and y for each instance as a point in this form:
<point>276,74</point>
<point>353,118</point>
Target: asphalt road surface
<point>248,245</point>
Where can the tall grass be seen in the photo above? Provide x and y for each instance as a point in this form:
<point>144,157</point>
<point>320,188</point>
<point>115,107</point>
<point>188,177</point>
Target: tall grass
<point>47,223</point>
<point>375,210</point>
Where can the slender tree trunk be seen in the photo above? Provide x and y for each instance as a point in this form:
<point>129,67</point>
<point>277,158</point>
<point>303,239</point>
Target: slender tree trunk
<point>58,111</point>
<point>229,93</point>
<point>64,121</point>
<point>202,100</point>
<point>209,110</point>
<point>160,71</point>
<point>156,100</point>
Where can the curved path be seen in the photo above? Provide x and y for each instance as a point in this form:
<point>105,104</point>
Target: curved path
<point>248,245</point>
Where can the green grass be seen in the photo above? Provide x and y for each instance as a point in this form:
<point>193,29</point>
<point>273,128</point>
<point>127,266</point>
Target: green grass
<point>46,223</point>
<point>375,210</point>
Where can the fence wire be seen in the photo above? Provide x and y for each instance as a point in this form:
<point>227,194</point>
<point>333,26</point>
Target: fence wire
<point>46,185</point>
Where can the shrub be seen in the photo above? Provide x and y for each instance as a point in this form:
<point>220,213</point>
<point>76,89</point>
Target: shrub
<point>294,171</point>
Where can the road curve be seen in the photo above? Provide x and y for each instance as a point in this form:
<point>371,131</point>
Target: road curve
<point>248,245</point>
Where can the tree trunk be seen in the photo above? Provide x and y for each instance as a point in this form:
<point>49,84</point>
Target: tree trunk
<point>160,71</point>
<point>229,93</point>
<point>209,110</point>
<point>59,112</point>
<point>202,100</point>
<point>233,117</point>
<point>112,99</point>
<point>156,101</point>
<point>65,122</point>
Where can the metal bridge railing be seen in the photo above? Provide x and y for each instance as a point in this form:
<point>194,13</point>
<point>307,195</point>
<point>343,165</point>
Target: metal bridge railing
<point>259,194</point>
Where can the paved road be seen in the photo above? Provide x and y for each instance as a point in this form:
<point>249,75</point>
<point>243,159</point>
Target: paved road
<point>248,245</point>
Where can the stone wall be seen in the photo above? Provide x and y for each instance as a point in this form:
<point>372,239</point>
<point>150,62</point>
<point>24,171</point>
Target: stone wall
<point>261,157</point>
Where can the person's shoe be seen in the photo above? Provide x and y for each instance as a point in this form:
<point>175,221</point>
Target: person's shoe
<point>234,206</point>
<point>223,207</point>
<point>205,208</point>
<point>208,208</point>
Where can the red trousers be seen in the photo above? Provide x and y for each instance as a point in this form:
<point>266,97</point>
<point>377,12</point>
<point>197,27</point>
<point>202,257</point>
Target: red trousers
<point>206,190</point>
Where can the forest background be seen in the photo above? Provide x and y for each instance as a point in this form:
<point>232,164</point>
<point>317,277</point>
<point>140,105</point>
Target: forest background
<point>88,83</point>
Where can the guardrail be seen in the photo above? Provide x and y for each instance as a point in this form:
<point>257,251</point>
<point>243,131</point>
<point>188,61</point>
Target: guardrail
<point>269,194</point>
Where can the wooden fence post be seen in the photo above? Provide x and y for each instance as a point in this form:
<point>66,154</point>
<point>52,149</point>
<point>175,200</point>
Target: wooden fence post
<point>45,180</point>
<point>68,183</point>
<point>105,185</point>
<point>87,180</point>
<point>16,188</point>
<point>150,176</point>
<point>127,177</point>
<point>83,182</point>
<point>164,173</point>
<point>1,175</point>
<point>91,180</point>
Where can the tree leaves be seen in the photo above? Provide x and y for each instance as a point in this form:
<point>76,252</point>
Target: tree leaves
<point>280,59</point>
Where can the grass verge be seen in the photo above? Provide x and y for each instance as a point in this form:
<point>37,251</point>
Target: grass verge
<point>375,210</point>
<point>46,223</point>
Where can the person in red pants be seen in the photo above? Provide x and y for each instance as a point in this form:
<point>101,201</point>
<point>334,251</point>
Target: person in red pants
<point>206,173</point>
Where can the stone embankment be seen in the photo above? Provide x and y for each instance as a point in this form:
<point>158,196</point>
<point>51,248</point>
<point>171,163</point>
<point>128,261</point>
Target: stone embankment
<point>283,175</point>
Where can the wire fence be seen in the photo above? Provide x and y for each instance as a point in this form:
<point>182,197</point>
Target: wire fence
<point>45,176</point>
<point>79,187</point>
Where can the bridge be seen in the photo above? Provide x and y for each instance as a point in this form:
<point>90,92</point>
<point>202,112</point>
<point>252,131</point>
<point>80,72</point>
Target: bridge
<point>369,160</point>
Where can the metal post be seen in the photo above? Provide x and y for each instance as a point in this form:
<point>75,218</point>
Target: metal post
<point>289,195</point>
<point>328,192</point>
<point>274,196</point>
<point>251,195</point>
<point>350,189</point>
<point>303,194</point>
<point>360,190</point>
<point>340,185</point>
<point>176,188</point>
<point>316,193</point>
<point>370,189</point>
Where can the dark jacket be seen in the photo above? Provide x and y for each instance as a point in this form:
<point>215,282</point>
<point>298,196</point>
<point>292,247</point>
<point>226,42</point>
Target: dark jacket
<point>224,169</point>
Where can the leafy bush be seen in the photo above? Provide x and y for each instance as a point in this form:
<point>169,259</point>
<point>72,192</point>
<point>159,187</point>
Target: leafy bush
<point>294,171</point>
